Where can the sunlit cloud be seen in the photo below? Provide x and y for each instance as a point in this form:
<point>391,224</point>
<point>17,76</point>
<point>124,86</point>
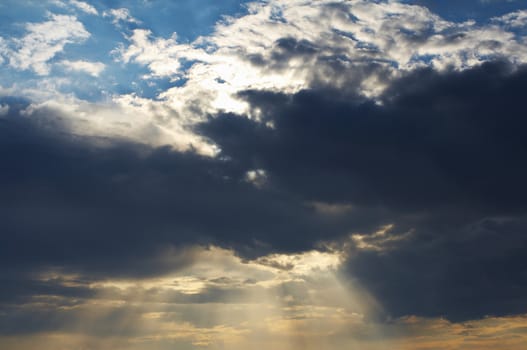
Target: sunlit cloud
<point>290,46</point>
<point>285,300</point>
<point>216,300</point>
<point>43,41</point>
<point>277,46</point>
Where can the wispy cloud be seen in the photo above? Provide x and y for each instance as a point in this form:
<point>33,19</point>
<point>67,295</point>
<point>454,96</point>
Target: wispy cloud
<point>514,19</point>
<point>84,7</point>
<point>43,41</point>
<point>92,68</point>
<point>120,15</point>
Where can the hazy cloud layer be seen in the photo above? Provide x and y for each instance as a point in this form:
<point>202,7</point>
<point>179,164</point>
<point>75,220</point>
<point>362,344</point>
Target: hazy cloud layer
<point>219,300</point>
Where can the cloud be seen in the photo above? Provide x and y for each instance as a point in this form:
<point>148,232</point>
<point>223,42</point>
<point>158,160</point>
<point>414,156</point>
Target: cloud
<point>108,191</point>
<point>489,333</point>
<point>215,290</point>
<point>438,160</point>
<point>84,7</point>
<point>92,68</point>
<point>120,15</point>
<point>311,124</point>
<point>127,117</point>
<point>43,41</point>
<point>3,50</point>
<point>376,130</point>
<point>217,299</point>
<point>4,110</point>
<point>514,19</point>
<point>76,5</point>
<point>161,55</point>
<point>429,160</point>
<point>283,47</point>
<point>302,40</point>
<point>289,46</point>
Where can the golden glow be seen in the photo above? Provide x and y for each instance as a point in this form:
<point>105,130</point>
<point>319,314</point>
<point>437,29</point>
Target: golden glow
<point>219,301</point>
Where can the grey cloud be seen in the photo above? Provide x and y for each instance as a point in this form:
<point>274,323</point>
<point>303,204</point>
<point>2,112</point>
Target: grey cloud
<point>117,209</point>
<point>440,157</point>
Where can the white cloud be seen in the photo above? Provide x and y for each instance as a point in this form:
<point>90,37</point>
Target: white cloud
<point>514,19</point>
<point>160,55</point>
<point>44,41</point>
<point>92,68</point>
<point>126,117</point>
<point>279,45</point>
<point>257,177</point>
<point>290,45</point>
<point>120,15</point>
<point>84,6</point>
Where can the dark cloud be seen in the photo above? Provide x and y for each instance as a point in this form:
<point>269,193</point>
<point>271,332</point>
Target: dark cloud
<point>432,140</point>
<point>117,208</point>
<point>459,273</point>
<point>22,291</point>
<point>440,155</point>
<point>329,60</point>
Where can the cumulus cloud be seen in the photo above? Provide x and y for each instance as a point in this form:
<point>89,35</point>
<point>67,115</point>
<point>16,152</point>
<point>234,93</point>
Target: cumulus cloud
<point>300,39</point>
<point>294,45</point>
<point>286,47</point>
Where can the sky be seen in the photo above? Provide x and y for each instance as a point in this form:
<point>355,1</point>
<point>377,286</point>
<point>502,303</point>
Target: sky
<point>285,174</point>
